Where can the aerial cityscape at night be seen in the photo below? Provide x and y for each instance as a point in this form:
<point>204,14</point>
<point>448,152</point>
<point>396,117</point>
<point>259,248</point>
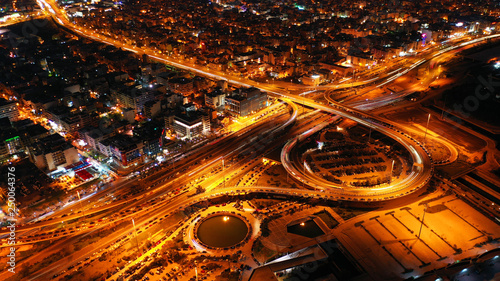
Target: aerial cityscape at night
<point>256,140</point>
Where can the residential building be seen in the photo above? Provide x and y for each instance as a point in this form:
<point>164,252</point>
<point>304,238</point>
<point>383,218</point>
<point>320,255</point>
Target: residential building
<point>52,152</point>
<point>9,109</point>
<point>248,101</point>
<point>216,98</point>
<point>126,150</point>
<point>188,125</point>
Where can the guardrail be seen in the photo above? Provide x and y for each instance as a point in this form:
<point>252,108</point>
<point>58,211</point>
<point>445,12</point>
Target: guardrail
<point>419,154</point>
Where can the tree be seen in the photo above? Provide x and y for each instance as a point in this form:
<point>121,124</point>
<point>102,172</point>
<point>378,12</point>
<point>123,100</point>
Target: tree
<point>200,189</point>
<point>178,257</point>
<point>25,270</point>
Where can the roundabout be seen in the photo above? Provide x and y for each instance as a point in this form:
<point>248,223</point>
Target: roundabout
<point>222,230</point>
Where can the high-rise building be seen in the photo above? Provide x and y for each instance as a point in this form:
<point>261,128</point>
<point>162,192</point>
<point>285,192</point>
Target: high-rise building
<point>52,152</point>
<point>188,125</point>
<point>9,109</point>
<point>248,101</point>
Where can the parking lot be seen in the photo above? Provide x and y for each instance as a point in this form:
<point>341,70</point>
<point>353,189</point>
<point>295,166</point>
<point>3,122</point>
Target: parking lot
<point>398,241</point>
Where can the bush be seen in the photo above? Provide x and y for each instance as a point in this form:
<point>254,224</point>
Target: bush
<point>103,257</point>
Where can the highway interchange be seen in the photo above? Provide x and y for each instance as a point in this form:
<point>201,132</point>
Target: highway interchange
<point>151,197</point>
<point>420,157</point>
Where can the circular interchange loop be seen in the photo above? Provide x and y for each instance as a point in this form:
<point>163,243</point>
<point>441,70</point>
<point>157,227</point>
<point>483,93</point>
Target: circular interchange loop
<point>422,160</point>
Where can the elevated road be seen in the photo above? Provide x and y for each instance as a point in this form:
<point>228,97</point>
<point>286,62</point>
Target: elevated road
<point>423,167</point>
<point>422,161</point>
<point>170,202</point>
<point>223,148</point>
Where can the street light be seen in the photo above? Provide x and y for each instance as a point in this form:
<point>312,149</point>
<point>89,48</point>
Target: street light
<point>223,173</point>
<point>136,240</point>
<point>392,169</point>
<point>420,231</point>
<point>79,199</point>
<point>196,269</point>
<point>427,127</point>
<point>304,181</point>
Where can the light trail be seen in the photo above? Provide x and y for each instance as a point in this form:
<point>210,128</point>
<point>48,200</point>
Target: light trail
<point>418,156</point>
